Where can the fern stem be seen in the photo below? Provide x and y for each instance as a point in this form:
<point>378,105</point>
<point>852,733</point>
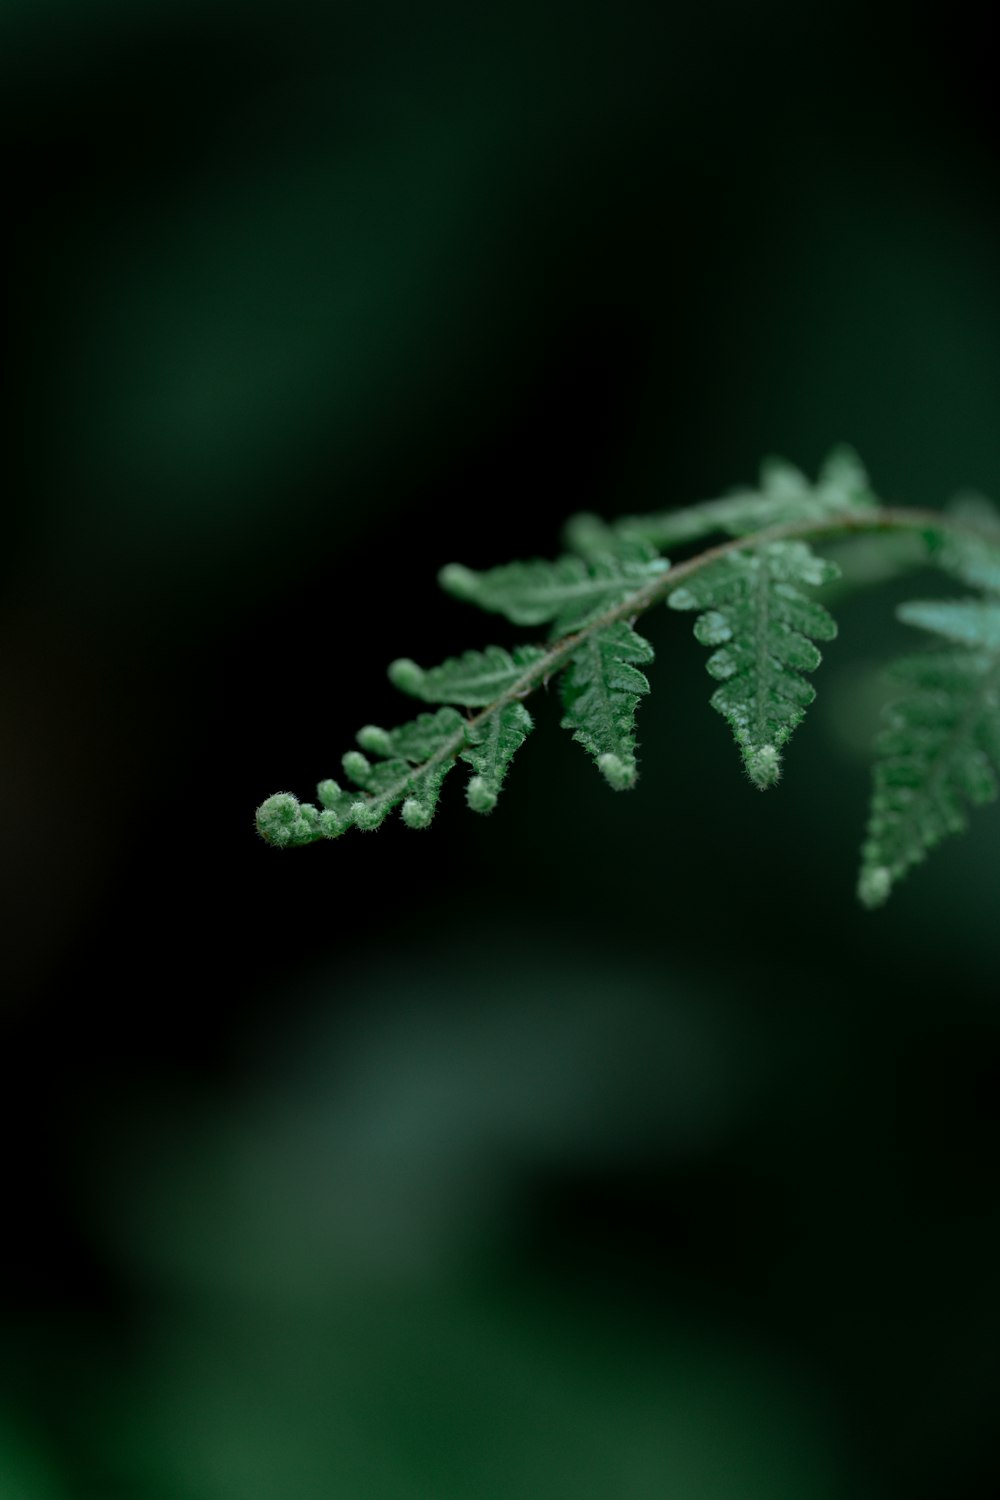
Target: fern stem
<point>553,656</point>
<point>895,518</point>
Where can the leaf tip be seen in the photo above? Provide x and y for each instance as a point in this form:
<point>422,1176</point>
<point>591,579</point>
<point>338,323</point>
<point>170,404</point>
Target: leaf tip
<point>764,766</point>
<point>356,766</point>
<point>874,885</point>
<point>459,581</point>
<point>617,772</point>
<point>480,795</point>
<point>406,675</point>
<point>366,815</point>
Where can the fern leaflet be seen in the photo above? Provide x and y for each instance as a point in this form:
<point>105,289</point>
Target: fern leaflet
<point>568,592</point>
<point>601,689</point>
<point>493,744</point>
<point>973,556</point>
<point>941,746</point>
<point>784,496</point>
<point>477,678</point>
<point>755,612</point>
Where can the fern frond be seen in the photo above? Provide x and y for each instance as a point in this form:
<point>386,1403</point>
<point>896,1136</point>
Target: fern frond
<point>940,749</point>
<point>972,555</point>
<point>474,679</point>
<point>755,612</point>
<point>784,496</point>
<point>493,743</point>
<point>601,690</point>
<point>568,592</point>
<point>966,622</point>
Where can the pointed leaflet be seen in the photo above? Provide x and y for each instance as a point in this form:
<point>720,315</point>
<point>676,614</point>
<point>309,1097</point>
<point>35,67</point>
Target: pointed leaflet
<point>568,591</point>
<point>973,555</point>
<point>494,741</point>
<point>940,749</point>
<point>477,678</point>
<point>784,495</point>
<point>601,687</point>
<point>756,613</point>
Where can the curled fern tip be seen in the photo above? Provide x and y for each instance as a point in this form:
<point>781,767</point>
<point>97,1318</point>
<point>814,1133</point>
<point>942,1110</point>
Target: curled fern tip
<point>764,766</point>
<point>615,771</point>
<point>874,886</point>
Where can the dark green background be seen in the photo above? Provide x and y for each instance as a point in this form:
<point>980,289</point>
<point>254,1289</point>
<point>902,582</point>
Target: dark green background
<point>602,1148</point>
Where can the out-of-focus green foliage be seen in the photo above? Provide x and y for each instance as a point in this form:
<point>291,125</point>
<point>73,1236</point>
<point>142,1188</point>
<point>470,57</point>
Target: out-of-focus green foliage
<point>303,299</point>
<point>940,750</point>
<point>337,1321</point>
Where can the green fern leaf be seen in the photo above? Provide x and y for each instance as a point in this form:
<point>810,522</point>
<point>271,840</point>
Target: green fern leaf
<point>783,496</point>
<point>754,610</point>
<point>476,678</point>
<point>601,689</point>
<point>941,746</point>
<point>595,540</point>
<point>568,592</point>
<point>966,622</point>
<point>973,556</point>
<point>494,742</point>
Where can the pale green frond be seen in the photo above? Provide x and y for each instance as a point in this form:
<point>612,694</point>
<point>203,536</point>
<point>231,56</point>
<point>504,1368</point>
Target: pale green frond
<point>474,679</point>
<point>937,755</point>
<point>568,592</point>
<point>972,555</point>
<point>494,741</point>
<point>966,622</point>
<point>601,689</point>
<point>784,495</point>
<point>594,539</point>
<point>754,611</point>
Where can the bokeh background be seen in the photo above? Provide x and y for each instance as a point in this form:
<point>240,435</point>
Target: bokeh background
<point>601,1148</point>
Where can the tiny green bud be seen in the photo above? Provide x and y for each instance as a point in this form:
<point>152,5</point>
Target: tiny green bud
<point>377,741</point>
<point>617,773</point>
<point>406,675</point>
<point>681,599</point>
<point>461,582</point>
<point>480,795</point>
<point>357,767</point>
<point>874,886</point>
<point>416,814</point>
<point>327,792</point>
<point>277,818</point>
<point>366,815</point>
